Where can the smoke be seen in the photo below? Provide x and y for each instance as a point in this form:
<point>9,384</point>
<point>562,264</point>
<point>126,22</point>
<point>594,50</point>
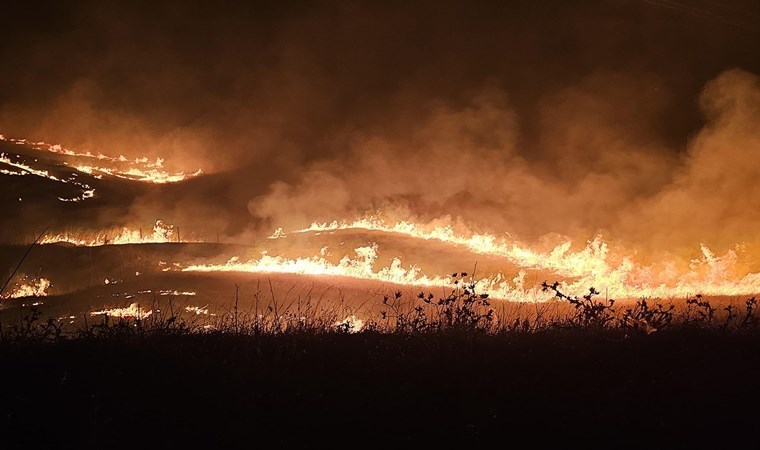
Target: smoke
<point>602,169</point>
<point>714,196</point>
<point>624,119</point>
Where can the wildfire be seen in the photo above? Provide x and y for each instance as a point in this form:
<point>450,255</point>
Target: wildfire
<point>87,191</point>
<point>160,233</point>
<point>197,310</point>
<point>152,174</point>
<point>350,324</point>
<point>362,266</point>
<point>132,311</point>
<point>137,169</point>
<point>33,288</point>
<point>592,265</point>
<point>560,260</point>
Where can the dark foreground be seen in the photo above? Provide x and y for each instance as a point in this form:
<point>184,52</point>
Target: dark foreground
<point>676,389</point>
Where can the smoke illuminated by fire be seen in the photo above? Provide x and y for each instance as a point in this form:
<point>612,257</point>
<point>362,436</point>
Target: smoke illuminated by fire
<point>565,157</point>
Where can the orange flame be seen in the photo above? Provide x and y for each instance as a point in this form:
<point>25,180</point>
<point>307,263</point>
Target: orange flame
<point>137,169</point>
<point>362,267</point>
<point>87,191</point>
<point>161,233</point>
<point>593,265</point>
<point>350,324</point>
<point>132,311</point>
<point>33,288</point>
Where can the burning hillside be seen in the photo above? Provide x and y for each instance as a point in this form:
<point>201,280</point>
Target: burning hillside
<point>398,224</point>
<point>372,249</point>
<point>634,181</point>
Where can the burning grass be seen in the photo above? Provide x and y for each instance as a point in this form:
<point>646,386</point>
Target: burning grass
<point>138,169</point>
<point>463,309</point>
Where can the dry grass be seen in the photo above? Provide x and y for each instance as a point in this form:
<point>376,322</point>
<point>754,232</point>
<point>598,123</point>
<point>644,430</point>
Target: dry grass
<point>462,310</point>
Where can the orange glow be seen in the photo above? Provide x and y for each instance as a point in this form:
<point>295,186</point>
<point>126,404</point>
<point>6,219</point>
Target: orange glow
<point>161,233</point>
<point>30,288</point>
<point>592,265</point>
<point>87,191</point>
<point>350,324</point>
<point>132,311</point>
<point>137,169</point>
<point>197,310</point>
<point>362,266</point>
<point>147,175</point>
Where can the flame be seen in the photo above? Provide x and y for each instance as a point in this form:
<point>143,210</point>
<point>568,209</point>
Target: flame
<point>137,169</point>
<point>176,293</point>
<point>197,310</point>
<point>350,324</point>
<point>150,175</point>
<point>87,191</point>
<point>132,311</point>
<point>162,292</point>
<point>362,266</point>
<point>12,173</point>
<point>593,265</point>
<point>33,288</point>
<point>277,234</point>
<point>161,233</point>
<point>590,260</point>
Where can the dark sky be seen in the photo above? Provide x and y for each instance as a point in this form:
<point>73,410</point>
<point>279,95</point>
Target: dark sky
<point>571,90</point>
<point>229,68</point>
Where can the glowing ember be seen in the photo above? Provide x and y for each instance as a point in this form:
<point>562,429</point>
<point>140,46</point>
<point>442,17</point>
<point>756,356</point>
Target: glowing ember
<point>32,288</point>
<point>132,311</point>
